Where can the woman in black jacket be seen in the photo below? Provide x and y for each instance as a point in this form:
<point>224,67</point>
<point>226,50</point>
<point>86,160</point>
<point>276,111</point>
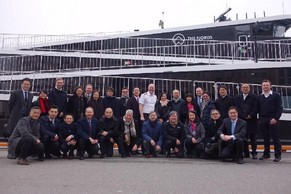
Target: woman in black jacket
<point>77,104</point>
<point>187,105</point>
<point>163,107</point>
<point>97,104</point>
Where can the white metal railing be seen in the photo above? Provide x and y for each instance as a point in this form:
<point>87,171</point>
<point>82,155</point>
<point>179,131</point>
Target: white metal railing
<point>204,51</point>
<point>29,41</point>
<point>162,85</point>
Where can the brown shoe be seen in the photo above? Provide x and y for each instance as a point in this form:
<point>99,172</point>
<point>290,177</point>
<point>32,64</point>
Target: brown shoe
<point>22,161</point>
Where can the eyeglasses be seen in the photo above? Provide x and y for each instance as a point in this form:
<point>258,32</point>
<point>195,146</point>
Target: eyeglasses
<point>215,113</point>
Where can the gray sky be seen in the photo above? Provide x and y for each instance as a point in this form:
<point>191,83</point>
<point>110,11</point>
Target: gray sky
<point>91,16</point>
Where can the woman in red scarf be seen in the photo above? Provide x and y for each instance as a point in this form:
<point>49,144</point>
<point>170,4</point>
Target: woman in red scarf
<point>42,102</point>
<point>195,135</point>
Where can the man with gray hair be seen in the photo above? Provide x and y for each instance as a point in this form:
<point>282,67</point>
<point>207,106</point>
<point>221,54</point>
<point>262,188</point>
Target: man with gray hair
<point>128,135</point>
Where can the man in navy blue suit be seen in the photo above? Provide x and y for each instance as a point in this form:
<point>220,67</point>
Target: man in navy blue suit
<point>232,133</point>
<point>270,111</point>
<point>49,132</point>
<point>88,131</point>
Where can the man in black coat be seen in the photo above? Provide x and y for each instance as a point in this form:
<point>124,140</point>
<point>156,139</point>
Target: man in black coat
<point>232,133</point>
<point>110,101</point>
<point>247,105</point>
<point>108,126</point>
<point>270,111</point>
<point>49,133</point>
<point>223,102</point>
<point>122,102</point>
<point>57,96</point>
<point>19,105</point>
<point>133,103</point>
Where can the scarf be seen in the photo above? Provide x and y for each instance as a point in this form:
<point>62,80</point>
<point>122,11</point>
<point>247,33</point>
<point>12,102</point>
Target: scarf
<point>192,128</point>
<point>129,128</point>
<point>190,106</point>
<point>43,104</point>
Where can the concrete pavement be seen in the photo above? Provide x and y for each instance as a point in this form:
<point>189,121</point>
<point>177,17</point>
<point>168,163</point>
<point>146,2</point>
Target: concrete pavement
<point>138,175</point>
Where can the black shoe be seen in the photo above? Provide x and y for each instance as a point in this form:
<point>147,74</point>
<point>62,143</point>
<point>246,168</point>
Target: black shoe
<point>263,157</point>
<point>102,156</point>
<point>246,155</point>
<point>123,156</point>
<point>40,157</point>
<point>48,156</point>
<point>254,156</point>
<point>90,156</point>
<point>240,161</point>
<point>277,159</point>
<point>81,157</point>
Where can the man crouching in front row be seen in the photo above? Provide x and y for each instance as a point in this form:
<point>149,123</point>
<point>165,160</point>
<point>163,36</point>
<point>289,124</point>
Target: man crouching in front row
<point>232,133</point>
<point>25,138</point>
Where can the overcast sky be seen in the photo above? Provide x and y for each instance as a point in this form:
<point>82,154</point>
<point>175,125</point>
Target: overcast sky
<point>91,16</point>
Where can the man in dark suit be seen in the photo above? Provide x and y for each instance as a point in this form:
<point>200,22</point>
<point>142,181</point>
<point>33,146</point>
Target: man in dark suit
<point>270,111</point>
<point>133,104</point>
<point>49,133</point>
<point>198,96</point>
<point>88,132</point>
<point>232,133</point>
<point>247,105</point>
<point>19,105</point>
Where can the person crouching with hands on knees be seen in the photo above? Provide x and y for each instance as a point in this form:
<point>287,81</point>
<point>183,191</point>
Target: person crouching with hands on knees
<point>68,134</point>
<point>88,129</point>
<point>232,133</point>
<point>25,138</point>
<point>152,136</point>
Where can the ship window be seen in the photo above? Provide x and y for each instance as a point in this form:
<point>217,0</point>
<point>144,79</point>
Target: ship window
<point>264,29</point>
<point>279,31</point>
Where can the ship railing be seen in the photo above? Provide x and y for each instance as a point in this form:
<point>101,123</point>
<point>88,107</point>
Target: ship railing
<point>162,85</point>
<point>233,89</point>
<point>30,41</point>
<point>182,55</point>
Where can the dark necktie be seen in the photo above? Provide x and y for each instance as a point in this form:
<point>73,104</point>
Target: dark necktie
<point>25,97</point>
<point>232,127</point>
<point>90,128</point>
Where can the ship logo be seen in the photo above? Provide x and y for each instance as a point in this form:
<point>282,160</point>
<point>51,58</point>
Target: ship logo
<point>178,39</point>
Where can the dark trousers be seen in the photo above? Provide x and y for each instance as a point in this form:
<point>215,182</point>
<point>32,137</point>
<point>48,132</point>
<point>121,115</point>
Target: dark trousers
<point>85,145</point>
<point>266,129</point>
<point>65,148</point>
<point>193,147</point>
<point>232,149</point>
<point>148,148</point>
<point>27,146</point>
<point>124,148</point>
<point>106,146</point>
<point>51,147</point>
<point>253,141</point>
<point>171,144</point>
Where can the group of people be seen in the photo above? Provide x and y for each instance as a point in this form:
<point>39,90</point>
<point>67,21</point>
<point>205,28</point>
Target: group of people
<point>55,125</point>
